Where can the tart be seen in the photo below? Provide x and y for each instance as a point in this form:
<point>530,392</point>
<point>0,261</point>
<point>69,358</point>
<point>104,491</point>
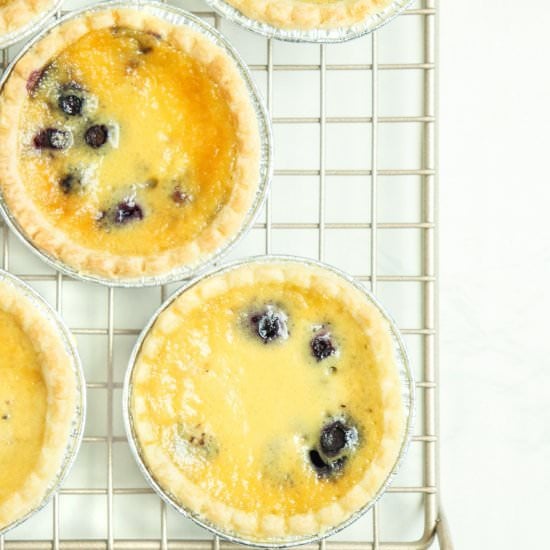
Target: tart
<point>308,15</point>
<point>16,14</point>
<point>265,400</point>
<point>129,145</point>
<point>37,404</point>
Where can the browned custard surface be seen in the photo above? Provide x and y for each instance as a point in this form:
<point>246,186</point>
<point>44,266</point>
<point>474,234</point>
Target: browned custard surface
<point>140,148</point>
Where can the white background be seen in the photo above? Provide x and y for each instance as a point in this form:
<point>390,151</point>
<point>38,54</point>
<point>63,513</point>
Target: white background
<point>495,268</point>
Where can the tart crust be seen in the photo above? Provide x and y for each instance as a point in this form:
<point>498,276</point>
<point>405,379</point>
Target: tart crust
<point>50,239</point>
<point>60,383</point>
<point>304,15</point>
<point>269,527</point>
<point>18,13</point>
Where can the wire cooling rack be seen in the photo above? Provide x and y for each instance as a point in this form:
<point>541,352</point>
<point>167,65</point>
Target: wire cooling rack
<point>355,185</point>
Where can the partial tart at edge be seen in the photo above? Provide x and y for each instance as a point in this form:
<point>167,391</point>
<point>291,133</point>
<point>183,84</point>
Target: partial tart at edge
<point>41,402</point>
<point>318,21</point>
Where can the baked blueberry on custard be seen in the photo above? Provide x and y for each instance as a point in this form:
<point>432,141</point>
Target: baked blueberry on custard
<point>37,404</point>
<point>265,399</point>
<point>129,146</point>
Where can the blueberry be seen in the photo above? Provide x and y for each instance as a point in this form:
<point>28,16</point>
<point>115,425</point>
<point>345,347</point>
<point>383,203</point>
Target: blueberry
<point>71,183</point>
<point>269,327</point>
<point>96,135</point>
<point>147,41</point>
<point>335,437</point>
<point>52,138</point>
<point>144,48</point>
<point>325,469</point>
<point>269,324</point>
<point>336,440</point>
<point>196,440</point>
<point>322,346</point>
<point>126,211</point>
<point>35,78</point>
<point>179,196</point>
<point>68,183</point>
<point>318,463</point>
<point>70,104</point>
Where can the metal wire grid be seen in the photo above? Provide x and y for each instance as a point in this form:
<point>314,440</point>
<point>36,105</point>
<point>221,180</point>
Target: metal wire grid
<point>427,419</point>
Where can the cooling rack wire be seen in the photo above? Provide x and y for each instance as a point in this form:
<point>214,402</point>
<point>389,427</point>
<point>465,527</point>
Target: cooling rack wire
<point>355,185</point>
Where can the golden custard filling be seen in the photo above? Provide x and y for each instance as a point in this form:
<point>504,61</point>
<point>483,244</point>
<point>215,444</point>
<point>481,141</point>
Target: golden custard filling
<point>130,146</point>
<point>127,143</point>
<point>38,397</point>
<point>268,397</point>
<point>23,404</point>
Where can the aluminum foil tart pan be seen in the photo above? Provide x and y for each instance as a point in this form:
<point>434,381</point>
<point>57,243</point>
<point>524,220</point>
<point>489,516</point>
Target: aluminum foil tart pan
<point>407,391</point>
<point>326,36</point>
<point>180,17</point>
<point>79,415</point>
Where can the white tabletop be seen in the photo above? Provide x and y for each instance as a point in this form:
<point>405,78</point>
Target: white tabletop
<point>495,267</point>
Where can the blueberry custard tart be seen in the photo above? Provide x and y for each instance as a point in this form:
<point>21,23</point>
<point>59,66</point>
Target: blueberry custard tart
<point>129,145</point>
<point>38,400</point>
<point>265,400</point>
